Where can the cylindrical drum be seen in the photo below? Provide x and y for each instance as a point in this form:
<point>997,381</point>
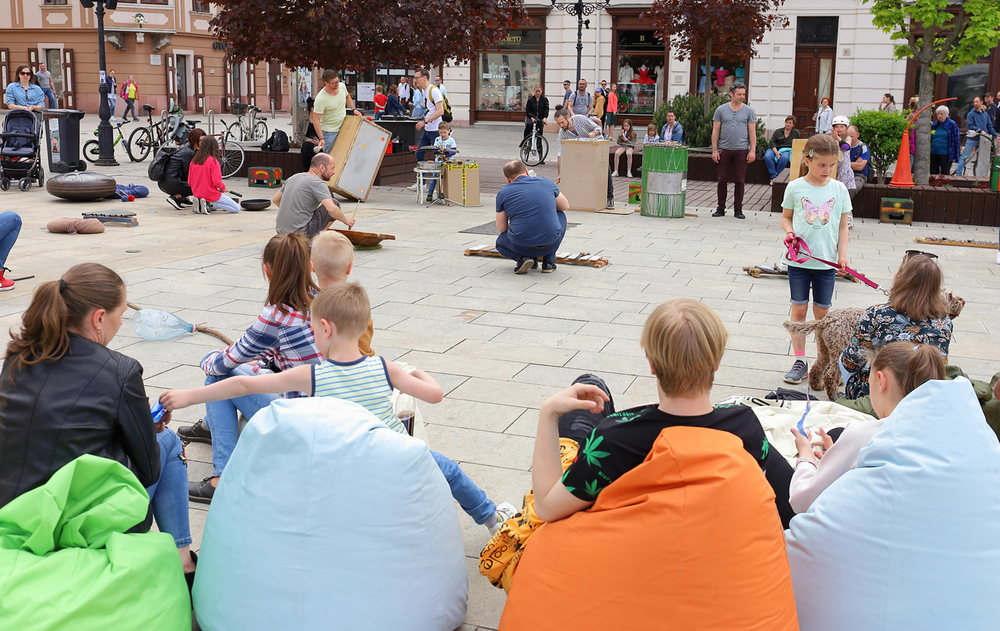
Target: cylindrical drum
<point>664,181</point>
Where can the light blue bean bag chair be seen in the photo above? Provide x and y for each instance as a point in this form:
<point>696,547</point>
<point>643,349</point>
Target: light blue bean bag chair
<point>327,519</point>
<point>910,539</point>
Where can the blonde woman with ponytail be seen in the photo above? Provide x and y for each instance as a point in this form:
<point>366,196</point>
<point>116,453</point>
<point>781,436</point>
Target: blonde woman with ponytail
<point>897,370</point>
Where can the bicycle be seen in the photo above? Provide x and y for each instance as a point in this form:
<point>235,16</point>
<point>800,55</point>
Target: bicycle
<point>534,148</point>
<point>246,127</point>
<point>145,139</point>
<point>92,148</point>
<point>232,155</point>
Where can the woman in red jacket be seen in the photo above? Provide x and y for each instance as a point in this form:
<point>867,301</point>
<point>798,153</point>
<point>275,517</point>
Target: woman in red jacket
<point>205,179</point>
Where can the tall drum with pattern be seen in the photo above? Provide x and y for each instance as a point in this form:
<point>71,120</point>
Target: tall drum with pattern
<point>664,181</point>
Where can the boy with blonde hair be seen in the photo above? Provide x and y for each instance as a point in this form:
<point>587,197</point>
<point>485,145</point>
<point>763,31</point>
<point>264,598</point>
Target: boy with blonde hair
<point>340,313</point>
<point>332,260</point>
<point>683,340</point>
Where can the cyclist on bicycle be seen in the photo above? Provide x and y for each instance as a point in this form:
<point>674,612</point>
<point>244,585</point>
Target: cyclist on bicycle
<point>536,111</point>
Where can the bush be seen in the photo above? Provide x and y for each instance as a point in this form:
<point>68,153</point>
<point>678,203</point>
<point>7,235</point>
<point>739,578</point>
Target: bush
<point>690,112</point>
<point>882,132</point>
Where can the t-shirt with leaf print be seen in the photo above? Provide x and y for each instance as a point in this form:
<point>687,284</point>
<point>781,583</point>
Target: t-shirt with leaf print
<point>622,441</point>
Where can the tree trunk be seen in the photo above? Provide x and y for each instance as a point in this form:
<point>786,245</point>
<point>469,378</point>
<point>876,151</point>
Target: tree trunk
<point>923,127</point>
<point>708,75</point>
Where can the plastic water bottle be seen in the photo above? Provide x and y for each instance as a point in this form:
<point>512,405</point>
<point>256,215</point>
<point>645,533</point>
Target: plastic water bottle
<point>157,411</point>
<point>153,324</point>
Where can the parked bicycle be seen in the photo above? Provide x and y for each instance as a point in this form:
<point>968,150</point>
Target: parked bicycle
<point>247,127</point>
<point>534,148</point>
<point>233,156</point>
<point>145,139</point>
<point>92,148</point>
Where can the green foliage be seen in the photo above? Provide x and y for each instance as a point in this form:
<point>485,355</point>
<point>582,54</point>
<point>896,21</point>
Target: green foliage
<point>882,132</point>
<point>762,139</point>
<point>690,112</point>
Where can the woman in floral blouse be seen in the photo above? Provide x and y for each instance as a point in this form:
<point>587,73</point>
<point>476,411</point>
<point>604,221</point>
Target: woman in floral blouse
<point>915,312</point>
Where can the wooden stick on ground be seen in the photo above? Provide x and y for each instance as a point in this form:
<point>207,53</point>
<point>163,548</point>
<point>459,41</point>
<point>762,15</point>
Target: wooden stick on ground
<point>199,328</point>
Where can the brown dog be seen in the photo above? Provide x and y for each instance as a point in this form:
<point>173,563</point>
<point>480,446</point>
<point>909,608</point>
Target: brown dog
<point>834,332</point>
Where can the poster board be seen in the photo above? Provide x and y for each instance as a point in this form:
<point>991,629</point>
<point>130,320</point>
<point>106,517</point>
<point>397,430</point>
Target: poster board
<point>798,148</point>
<point>366,92</point>
<point>585,174</point>
<point>357,155</point>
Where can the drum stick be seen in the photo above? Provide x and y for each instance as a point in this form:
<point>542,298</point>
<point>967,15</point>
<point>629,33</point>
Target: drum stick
<point>354,213</point>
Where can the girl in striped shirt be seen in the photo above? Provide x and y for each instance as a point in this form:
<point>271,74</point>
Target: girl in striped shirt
<point>340,315</point>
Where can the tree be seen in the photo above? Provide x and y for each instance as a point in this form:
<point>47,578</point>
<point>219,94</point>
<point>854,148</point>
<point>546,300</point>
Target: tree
<point>358,34</point>
<point>728,29</point>
<point>941,36</point>
<point>883,133</point>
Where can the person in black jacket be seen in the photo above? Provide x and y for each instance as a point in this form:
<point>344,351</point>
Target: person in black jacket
<point>535,113</point>
<point>313,142</point>
<point>64,394</point>
<point>175,176</point>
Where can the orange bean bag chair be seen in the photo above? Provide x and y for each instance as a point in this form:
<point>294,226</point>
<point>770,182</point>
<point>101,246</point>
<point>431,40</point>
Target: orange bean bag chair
<point>690,539</point>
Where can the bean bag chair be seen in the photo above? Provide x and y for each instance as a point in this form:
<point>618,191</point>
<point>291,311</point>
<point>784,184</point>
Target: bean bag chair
<point>327,519</point>
<point>910,539</point>
<point>690,539</point>
<point>66,562</point>
<point>69,225</point>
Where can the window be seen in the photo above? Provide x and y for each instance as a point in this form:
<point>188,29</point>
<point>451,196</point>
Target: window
<point>640,71</point>
<point>50,3</point>
<point>811,31</point>
<point>200,6</point>
<point>509,75</point>
<point>722,75</point>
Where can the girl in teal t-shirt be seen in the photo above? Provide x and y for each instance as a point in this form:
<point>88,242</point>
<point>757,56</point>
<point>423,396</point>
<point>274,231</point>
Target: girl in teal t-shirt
<point>815,208</point>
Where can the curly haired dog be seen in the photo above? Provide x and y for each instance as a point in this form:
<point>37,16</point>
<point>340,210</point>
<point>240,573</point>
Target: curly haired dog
<point>834,332</point>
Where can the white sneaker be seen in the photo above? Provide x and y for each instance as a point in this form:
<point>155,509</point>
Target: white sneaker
<point>630,174</point>
<point>504,512</point>
<point>998,258</point>
<point>411,187</point>
<point>614,174</point>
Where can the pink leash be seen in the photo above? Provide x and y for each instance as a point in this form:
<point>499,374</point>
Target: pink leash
<point>799,252</point>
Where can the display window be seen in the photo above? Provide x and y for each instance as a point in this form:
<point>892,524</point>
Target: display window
<point>508,76</point>
<point>721,75</point>
<point>640,73</point>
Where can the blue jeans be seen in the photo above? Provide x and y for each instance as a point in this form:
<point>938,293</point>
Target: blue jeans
<point>50,97</point>
<point>470,497</point>
<point>10,227</point>
<point>775,169</point>
<point>515,251</point>
<point>426,140</point>
<point>222,419</point>
<point>970,146</point>
<point>329,137</point>
<point>169,494</point>
<point>821,280</point>
<point>112,102</point>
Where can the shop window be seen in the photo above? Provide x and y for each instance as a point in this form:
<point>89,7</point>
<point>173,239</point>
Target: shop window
<point>640,72</point>
<point>965,84</point>
<point>816,31</point>
<point>721,75</point>
<point>508,76</point>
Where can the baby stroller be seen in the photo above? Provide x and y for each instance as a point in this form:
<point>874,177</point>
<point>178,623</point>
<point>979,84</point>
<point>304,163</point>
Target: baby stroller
<point>20,146</point>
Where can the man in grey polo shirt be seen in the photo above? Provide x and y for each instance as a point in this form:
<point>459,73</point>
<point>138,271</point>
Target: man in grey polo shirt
<point>734,146</point>
<point>304,202</point>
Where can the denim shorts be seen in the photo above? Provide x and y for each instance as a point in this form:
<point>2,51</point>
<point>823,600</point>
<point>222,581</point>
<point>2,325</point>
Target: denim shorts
<point>821,280</point>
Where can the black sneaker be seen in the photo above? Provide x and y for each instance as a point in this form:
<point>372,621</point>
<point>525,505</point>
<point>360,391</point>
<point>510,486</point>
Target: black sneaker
<point>611,202</point>
<point>739,214</point>
<point>196,433</point>
<point>201,492</point>
<point>719,212</point>
<point>797,373</point>
<point>594,380</point>
<point>548,266</point>
<point>430,197</point>
<point>535,264</point>
<point>523,265</point>
<point>173,202</point>
<point>186,201</point>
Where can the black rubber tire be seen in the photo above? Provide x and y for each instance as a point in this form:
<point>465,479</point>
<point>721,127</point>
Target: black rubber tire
<point>232,160</point>
<point>5,184</point>
<point>140,143</point>
<point>260,131</point>
<point>91,151</point>
<point>24,184</point>
<point>41,176</point>
<point>534,158</point>
<point>234,131</point>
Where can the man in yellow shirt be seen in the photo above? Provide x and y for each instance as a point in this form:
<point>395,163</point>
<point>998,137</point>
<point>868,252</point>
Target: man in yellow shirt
<point>329,109</point>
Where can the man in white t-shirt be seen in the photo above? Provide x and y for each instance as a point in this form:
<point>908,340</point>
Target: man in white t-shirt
<point>404,93</point>
<point>435,109</point>
<point>329,108</point>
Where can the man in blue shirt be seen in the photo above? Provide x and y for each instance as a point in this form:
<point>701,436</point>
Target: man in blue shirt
<point>978,122</point>
<point>24,95</point>
<point>859,160</point>
<point>530,219</point>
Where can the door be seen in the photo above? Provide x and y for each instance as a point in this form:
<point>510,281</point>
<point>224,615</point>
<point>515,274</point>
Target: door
<point>274,84</point>
<point>168,66</point>
<point>199,83</point>
<point>4,68</point>
<point>814,73</point>
<point>182,88</point>
<point>68,72</point>
<point>53,60</point>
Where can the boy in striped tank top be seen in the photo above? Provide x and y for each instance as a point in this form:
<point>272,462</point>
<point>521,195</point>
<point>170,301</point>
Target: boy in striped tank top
<point>340,314</point>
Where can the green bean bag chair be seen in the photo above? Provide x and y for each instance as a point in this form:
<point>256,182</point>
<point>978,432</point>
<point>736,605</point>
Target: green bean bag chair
<point>67,564</point>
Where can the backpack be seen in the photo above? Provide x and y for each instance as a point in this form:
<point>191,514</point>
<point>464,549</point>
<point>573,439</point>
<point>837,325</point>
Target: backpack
<point>277,142</point>
<point>446,115</point>
<point>158,168</point>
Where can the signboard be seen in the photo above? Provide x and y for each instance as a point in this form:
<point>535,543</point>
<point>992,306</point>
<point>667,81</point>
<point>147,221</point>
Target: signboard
<point>521,40</point>
<point>366,92</point>
<point>156,60</point>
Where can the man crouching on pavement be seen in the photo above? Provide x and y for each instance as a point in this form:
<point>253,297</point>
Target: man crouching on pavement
<point>530,219</point>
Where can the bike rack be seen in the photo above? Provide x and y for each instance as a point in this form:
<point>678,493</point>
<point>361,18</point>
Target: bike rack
<point>211,122</point>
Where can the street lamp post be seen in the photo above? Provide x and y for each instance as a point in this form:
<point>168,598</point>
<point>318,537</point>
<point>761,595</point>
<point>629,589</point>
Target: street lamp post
<point>580,9</point>
<point>105,139</point>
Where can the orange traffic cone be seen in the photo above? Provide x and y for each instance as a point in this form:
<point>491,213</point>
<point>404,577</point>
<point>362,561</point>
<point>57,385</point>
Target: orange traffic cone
<point>902,177</point>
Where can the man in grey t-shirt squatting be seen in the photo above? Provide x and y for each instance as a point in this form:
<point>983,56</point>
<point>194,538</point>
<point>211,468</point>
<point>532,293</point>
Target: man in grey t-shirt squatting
<point>304,202</point>
<point>734,146</point>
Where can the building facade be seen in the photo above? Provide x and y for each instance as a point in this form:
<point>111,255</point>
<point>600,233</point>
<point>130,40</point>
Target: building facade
<point>167,45</point>
<point>828,49</point>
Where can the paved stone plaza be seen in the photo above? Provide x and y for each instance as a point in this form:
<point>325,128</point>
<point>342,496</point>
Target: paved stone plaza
<point>499,344</point>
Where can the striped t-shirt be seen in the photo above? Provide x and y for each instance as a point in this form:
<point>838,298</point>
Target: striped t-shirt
<point>364,381</point>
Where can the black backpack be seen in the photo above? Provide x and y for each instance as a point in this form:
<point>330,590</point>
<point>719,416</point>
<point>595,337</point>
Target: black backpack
<point>277,142</point>
<point>158,168</point>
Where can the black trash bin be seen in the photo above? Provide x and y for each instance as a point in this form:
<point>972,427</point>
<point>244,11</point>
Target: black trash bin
<point>62,131</point>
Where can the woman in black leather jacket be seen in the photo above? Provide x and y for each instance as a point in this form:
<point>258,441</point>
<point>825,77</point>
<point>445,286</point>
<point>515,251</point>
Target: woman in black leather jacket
<point>175,176</point>
<point>64,394</point>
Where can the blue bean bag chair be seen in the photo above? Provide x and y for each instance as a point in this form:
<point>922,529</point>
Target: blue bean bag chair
<point>327,519</point>
<point>910,539</point>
